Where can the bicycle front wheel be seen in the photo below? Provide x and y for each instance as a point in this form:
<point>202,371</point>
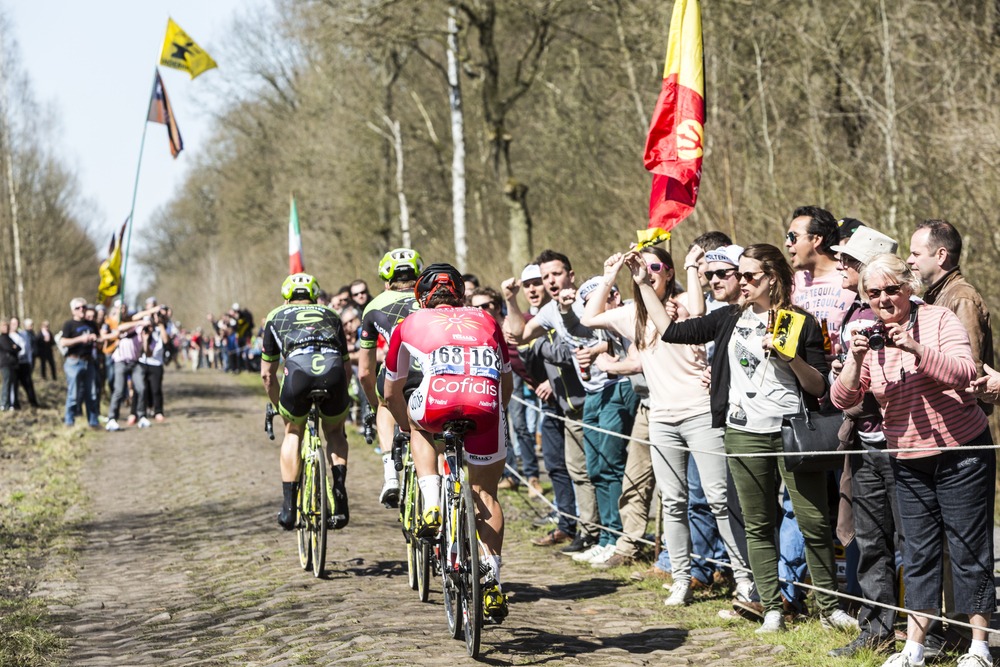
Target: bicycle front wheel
<point>472,593</point>
<point>323,511</point>
<point>409,508</point>
<point>303,504</point>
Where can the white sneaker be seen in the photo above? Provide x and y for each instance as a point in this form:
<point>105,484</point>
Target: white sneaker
<point>973,660</point>
<point>744,590</point>
<point>773,622</point>
<point>586,555</point>
<point>112,425</point>
<point>604,556</point>
<point>903,660</point>
<point>143,422</point>
<point>680,594</point>
<point>838,620</point>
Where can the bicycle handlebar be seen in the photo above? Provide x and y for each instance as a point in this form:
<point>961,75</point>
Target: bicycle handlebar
<point>370,432</point>
<point>269,420</point>
<point>397,449</point>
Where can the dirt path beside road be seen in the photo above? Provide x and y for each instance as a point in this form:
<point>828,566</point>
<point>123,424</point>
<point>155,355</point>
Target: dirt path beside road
<point>181,563</point>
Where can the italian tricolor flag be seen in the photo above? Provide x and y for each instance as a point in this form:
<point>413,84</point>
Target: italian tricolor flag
<point>295,263</point>
<point>674,146</point>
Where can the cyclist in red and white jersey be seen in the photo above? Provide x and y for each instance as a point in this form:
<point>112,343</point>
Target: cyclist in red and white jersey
<point>467,375</point>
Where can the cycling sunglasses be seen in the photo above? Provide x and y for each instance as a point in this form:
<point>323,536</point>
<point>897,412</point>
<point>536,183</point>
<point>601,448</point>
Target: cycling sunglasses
<point>721,274</point>
<point>890,290</point>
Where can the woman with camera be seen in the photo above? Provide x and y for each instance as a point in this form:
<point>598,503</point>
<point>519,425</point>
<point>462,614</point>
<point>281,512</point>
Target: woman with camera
<point>148,378</point>
<point>917,364</point>
<point>753,385</point>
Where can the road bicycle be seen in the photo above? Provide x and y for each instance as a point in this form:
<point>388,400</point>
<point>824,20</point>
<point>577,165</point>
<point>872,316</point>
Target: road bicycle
<point>315,502</point>
<point>421,550</point>
<point>461,570</point>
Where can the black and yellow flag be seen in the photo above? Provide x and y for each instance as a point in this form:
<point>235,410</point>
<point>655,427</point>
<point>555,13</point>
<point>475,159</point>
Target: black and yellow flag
<point>181,52</point>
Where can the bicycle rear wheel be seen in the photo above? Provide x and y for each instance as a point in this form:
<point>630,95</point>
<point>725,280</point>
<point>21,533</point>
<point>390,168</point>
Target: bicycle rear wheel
<point>449,577</point>
<point>322,511</point>
<point>472,593</point>
<point>303,504</point>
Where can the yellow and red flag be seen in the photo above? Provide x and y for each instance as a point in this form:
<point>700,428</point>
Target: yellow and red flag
<point>181,52</point>
<point>674,145</point>
<point>160,111</point>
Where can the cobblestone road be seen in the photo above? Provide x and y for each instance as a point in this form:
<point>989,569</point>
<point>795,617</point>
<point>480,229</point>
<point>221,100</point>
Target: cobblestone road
<point>180,562</point>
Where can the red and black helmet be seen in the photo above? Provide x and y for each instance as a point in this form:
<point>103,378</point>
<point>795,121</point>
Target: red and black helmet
<point>439,277</point>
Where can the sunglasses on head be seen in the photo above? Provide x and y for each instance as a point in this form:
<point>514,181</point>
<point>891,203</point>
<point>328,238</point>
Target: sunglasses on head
<point>721,274</point>
<point>750,276</point>
<point>890,290</point>
<point>655,267</point>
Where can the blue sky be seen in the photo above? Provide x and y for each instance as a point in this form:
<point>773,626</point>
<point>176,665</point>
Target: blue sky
<point>91,64</point>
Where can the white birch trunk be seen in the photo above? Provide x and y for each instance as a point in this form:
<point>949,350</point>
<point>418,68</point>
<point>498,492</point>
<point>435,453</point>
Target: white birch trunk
<point>458,144</point>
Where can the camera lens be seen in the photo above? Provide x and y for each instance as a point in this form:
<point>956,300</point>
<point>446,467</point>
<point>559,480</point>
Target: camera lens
<point>876,341</point>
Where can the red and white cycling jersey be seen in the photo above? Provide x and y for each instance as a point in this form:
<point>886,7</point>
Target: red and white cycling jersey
<point>463,355</point>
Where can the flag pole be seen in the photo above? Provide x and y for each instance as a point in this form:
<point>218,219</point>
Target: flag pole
<point>135,192</point>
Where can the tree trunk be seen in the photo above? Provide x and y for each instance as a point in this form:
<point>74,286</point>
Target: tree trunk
<point>515,196</point>
<point>458,145</point>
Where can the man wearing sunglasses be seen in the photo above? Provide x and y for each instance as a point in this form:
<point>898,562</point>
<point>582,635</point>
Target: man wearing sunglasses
<point>78,337</point>
<point>818,286</point>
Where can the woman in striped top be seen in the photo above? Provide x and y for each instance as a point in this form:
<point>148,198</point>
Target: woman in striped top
<point>945,492</point>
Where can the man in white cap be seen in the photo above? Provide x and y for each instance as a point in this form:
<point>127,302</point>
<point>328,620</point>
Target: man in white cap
<point>720,272</point>
<point>872,483</point>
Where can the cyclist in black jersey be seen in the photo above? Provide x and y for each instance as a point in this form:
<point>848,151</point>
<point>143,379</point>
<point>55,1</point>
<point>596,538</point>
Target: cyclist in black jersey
<point>399,269</point>
<point>310,339</point>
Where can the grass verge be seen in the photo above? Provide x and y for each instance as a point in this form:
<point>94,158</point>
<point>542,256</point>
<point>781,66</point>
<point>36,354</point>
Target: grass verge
<point>38,488</point>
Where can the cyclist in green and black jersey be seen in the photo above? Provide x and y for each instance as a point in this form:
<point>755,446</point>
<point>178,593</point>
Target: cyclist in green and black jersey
<point>399,269</point>
<point>310,339</point>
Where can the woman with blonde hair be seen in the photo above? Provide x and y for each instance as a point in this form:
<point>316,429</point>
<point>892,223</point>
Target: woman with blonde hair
<point>680,419</point>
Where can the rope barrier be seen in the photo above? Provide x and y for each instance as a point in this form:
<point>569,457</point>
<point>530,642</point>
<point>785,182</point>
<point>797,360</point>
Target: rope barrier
<point>733,566</point>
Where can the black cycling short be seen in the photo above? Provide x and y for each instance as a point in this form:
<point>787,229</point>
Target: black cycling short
<point>314,370</point>
<point>413,380</point>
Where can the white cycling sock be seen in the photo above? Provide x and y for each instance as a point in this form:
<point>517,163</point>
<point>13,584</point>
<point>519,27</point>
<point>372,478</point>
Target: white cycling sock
<point>494,563</point>
<point>388,467</point>
<point>430,490</point>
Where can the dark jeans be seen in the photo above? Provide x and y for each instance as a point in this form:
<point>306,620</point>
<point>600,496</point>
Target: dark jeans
<point>148,382</point>
<point>46,359</point>
<point>949,497</point>
<point>554,454</point>
<point>9,380</point>
<point>876,518</point>
<point>24,380</point>
<point>80,390</point>
<point>518,415</point>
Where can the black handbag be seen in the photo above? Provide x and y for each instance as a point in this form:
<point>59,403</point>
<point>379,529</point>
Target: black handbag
<point>811,431</point>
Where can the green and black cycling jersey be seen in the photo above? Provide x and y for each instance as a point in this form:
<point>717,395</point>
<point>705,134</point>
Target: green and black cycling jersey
<point>302,328</point>
<point>383,314</point>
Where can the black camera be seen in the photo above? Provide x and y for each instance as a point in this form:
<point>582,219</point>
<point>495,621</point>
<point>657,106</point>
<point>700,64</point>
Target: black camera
<point>877,336</point>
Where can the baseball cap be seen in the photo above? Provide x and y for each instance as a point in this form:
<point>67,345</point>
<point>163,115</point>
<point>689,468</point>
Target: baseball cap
<point>590,286</point>
<point>531,272</point>
<point>865,244</point>
<point>846,228</point>
<point>730,254</point>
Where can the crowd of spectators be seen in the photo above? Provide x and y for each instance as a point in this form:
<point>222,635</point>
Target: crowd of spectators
<point>648,378</point>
